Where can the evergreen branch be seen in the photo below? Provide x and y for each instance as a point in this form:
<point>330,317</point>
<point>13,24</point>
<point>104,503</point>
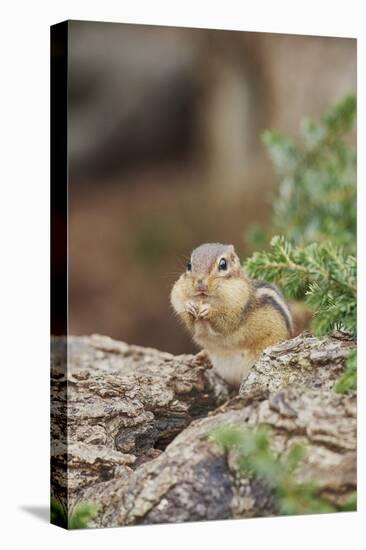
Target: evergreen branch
<point>317,188</point>
<point>319,272</point>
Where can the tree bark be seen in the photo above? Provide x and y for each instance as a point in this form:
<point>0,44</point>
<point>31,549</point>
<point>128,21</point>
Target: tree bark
<point>138,422</point>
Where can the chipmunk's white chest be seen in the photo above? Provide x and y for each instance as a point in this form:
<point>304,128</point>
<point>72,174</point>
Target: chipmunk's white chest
<point>232,367</point>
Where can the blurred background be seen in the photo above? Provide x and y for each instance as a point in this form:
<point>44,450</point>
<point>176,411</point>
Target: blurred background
<point>165,154</point>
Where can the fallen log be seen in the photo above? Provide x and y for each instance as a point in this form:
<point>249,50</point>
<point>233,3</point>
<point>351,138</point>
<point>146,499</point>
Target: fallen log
<point>138,422</point>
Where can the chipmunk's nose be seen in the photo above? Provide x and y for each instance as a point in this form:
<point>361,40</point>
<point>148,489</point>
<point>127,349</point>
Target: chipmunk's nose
<point>201,285</point>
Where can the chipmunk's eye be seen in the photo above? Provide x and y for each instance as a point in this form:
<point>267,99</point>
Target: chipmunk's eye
<point>222,264</point>
<point>189,266</point>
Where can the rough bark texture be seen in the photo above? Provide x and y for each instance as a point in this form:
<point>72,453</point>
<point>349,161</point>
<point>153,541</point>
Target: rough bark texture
<point>138,421</point>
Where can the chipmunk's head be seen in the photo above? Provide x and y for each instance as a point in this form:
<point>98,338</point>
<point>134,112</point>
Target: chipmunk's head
<point>210,268</point>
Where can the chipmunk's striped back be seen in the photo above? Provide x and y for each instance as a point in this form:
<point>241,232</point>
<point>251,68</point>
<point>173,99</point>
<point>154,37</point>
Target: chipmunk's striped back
<point>269,294</point>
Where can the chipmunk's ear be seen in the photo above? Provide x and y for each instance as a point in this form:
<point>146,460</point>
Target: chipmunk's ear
<point>231,251</point>
<point>235,260</point>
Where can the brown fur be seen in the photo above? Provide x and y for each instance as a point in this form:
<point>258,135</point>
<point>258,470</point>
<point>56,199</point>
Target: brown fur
<point>231,314</point>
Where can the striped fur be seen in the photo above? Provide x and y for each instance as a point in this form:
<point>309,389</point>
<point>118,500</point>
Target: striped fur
<point>269,294</point>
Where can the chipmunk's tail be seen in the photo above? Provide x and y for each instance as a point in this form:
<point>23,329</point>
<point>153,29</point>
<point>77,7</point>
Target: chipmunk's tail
<point>301,316</point>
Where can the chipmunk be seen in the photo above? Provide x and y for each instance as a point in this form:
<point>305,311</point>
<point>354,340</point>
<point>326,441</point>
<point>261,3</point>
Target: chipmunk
<point>232,317</point>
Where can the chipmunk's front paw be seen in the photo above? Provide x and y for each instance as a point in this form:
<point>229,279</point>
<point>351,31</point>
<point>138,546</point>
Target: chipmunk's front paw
<point>204,311</point>
<point>192,308</point>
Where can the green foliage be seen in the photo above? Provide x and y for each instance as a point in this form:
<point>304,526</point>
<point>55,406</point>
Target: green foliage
<point>78,518</point>
<point>255,459</point>
<point>315,207</point>
<point>316,196</point>
<point>350,505</point>
<point>81,514</point>
<point>319,271</point>
<point>58,513</point>
<point>348,380</point>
